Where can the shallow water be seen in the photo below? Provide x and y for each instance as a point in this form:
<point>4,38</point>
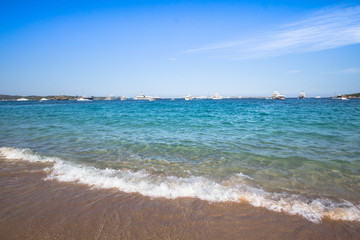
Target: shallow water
<point>35,209</point>
<point>295,156</point>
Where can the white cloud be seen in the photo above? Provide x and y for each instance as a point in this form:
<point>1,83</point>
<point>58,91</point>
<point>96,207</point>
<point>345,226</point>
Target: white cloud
<point>172,59</point>
<point>350,70</point>
<point>325,29</point>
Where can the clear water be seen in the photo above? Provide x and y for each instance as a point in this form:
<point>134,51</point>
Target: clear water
<point>295,156</point>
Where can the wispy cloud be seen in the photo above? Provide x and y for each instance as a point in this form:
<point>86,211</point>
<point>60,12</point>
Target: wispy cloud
<point>350,70</point>
<point>325,29</point>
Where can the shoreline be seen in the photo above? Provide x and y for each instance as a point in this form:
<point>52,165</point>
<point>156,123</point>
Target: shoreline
<point>34,208</point>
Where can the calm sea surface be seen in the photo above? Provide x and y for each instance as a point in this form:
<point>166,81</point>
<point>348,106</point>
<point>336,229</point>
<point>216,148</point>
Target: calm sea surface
<point>295,156</point>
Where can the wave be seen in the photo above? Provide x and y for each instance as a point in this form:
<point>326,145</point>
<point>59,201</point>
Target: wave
<point>24,154</point>
<point>233,189</point>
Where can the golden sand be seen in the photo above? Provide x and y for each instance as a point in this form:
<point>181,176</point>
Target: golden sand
<point>34,208</point>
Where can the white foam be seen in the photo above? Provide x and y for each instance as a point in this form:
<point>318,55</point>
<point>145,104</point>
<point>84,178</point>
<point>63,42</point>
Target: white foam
<point>24,154</point>
<point>198,187</point>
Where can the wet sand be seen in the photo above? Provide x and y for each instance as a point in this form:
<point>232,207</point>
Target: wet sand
<point>32,208</point>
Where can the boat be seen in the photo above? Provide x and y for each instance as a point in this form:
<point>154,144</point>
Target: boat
<point>43,99</point>
<point>302,95</point>
<point>123,98</point>
<point>318,97</point>
<point>143,97</point>
<point>217,96</point>
<point>201,97</point>
<point>110,97</point>
<point>84,99</point>
<point>340,97</point>
<point>277,95</point>
<point>22,99</point>
<point>188,97</point>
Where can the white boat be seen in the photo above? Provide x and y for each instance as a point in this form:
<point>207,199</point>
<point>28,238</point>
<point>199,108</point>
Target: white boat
<point>157,98</point>
<point>318,97</point>
<point>83,99</point>
<point>340,97</point>
<point>217,96</point>
<point>201,97</point>
<point>277,95</point>
<point>110,97</point>
<point>143,97</point>
<point>22,99</point>
<point>43,99</point>
<point>189,97</point>
<point>123,98</point>
<point>302,95</point>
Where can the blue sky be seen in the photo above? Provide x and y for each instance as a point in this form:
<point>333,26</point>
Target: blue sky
<point>173,48</point>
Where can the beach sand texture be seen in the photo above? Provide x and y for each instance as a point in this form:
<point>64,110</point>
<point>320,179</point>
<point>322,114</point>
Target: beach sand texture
<point>34,208</point>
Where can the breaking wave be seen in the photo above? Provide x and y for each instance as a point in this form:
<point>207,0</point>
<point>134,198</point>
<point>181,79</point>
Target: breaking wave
<point>233,189</point>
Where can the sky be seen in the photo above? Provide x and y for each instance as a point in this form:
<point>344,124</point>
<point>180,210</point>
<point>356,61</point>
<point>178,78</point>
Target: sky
<point>176,48</point>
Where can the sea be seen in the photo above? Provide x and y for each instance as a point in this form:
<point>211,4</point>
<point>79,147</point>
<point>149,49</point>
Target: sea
<point>295,156</point>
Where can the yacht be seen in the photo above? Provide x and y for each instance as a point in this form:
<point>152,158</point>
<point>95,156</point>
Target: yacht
<point>277,95</point>
<point>157,98</point>
<point>84,99</point>
<point>43,99</point>
<point>201,97</point>
<point>340,97</point>
<point>143,97</point>
<point>110,97</point>
<point>123,98</point>
<point>302,95</point>
<point>189,97</point>
<point>217,96</point>
<point>22,99</point>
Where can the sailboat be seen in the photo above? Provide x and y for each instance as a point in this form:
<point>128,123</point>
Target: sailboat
<point>340,97</point>
<point>302,95</point>
<point>217,96</point>
<point>110,97</point>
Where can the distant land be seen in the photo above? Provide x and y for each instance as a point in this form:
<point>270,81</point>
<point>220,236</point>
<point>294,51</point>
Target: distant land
<point>354,95</point>
<point>4,97</point>
<point>35,98</point>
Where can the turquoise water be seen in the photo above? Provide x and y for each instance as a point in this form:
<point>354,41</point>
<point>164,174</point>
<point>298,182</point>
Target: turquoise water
<point>282,155</point>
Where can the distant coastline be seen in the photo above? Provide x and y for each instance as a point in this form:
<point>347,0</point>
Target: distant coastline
<point>354,95</point>
<point>4,97</point>
<point>37,98</point>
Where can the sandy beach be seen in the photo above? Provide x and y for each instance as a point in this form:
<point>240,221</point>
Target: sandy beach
<point>180,120</point>
<point>34,208</point>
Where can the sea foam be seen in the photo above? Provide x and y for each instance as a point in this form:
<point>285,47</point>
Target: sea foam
<point>171,187</point>
<point>24,154</point>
